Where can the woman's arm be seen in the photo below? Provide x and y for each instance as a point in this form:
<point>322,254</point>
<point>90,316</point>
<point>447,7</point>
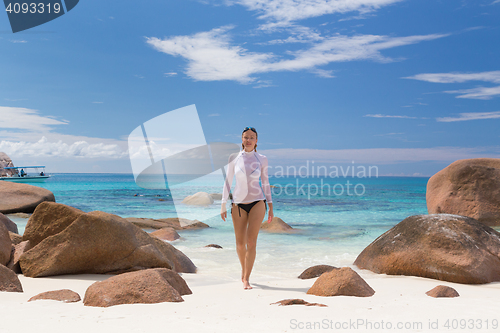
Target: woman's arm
<point>267,188</point>
<point>228,181</point>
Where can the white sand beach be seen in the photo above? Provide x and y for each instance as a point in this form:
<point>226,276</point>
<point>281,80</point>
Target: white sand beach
<point>222,305</point>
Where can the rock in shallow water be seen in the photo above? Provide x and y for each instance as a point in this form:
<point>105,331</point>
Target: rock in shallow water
<point>438,246</point>
<point>171,222</point>
<point>198,199</point>
<point>167,234</point>
<point>216,246</point>
<point>22,198</point>
<point>277,225</point>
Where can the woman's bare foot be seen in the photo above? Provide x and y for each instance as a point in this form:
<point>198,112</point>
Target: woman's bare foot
<point>246,284</point>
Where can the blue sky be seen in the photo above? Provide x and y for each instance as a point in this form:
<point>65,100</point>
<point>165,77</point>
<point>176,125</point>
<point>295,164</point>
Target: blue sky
<point>409,86</point>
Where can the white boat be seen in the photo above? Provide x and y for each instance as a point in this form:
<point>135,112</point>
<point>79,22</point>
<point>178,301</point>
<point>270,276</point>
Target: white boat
<point>21,176</point>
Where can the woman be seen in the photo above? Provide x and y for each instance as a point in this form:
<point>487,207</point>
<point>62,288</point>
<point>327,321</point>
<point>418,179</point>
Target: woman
<point>249,201</point>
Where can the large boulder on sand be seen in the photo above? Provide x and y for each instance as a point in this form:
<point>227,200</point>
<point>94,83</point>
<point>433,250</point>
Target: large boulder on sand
<point>469,188</point>
<point>439,246</point>
<point>198,199</point>
<point>148,286</point>
<point>22,198</point>
<point>5,245</point>
<point>49,219</point>
<point>97,243</point>
<point>341,282</point>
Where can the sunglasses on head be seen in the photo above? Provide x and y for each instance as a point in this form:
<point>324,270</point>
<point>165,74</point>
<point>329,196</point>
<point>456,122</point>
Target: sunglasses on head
<point>250,129</point>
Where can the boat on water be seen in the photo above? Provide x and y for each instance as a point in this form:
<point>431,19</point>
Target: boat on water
<point>20,175</point>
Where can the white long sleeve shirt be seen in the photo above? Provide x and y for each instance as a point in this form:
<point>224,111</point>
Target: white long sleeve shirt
<point>247,168</point>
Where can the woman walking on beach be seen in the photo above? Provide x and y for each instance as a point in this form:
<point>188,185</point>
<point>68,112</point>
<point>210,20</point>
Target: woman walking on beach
<point>248,206</point>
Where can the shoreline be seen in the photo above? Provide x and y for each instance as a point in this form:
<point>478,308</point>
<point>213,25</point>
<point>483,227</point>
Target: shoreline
<point>221,305</point>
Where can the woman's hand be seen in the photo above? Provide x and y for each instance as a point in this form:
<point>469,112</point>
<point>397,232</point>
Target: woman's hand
<point>270,214</point>
<point>223,212</point>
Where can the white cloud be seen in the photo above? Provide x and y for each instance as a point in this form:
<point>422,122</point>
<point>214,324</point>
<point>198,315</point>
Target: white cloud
<point>26,133</point>
<point>26,119</point>
<point>388,116</point>
<point>477,93</point>
<point>298,34</point>
<point>211,57</point>
<point>493,76</point>
<point>323,73</point>
<point>45,148</point>
<point>282,12</point>
<point>473,93</point>
<point>170,74</point>
<point>471,116</point>
<point>263,84</point>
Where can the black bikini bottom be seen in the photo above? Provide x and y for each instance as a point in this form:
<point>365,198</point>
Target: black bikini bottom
<point>247,207</point>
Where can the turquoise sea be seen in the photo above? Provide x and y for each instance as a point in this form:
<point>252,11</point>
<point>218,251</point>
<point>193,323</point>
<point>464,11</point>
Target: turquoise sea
<point>335,226</point>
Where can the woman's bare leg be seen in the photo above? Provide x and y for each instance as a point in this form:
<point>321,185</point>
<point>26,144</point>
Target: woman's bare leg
<point>255,218</point>
<point>240,231</point>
